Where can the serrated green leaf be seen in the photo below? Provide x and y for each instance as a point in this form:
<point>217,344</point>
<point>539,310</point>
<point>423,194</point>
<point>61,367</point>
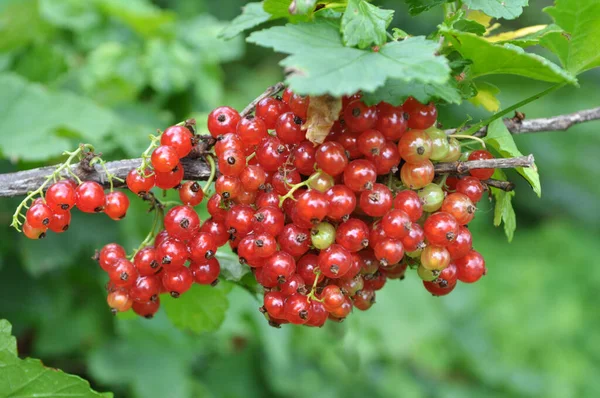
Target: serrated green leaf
<point>253,14</point>
<point>418,6</point>
<point>201,309</point>
<point>499,138</point>
<point>579,50</point>
<point>30,378</point>
<point>281,9</point>
<point>503,209</point>
<point>490,59</point>
<point>525,37</point>
<point>486,96</point>
<point>469,26</point>
<point>321,64</point>
<point>231,268</point>
<point>507,9</point>
<point>37,137</point>
<point>364,24</point>
<point>397,91</point>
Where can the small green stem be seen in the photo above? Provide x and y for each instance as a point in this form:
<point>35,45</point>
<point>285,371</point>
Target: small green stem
<point>158,216</point>
<point>213,172</point>
<point>248,158</point>
<point>66,165</point>
<point>311,295</point>
<point>476,127</point>
<point>154,143</point>
<point>469,137</point>
<point>290,193</point>
<point>442,183</point>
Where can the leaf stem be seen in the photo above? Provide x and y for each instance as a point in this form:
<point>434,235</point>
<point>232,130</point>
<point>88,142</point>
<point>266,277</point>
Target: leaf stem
<point>475,128</point>
<point>469,137</point>
<point>213,172</point>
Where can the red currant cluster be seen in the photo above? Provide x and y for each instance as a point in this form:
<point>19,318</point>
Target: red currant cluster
<point>324,226</point>
<point>161,267</point>
<point>53,211</point>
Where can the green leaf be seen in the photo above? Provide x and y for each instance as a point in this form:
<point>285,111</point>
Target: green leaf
<point>302,6</point>
<point>418,6</point>
<point>503,210</point>
<point>169,65</point>
<point>364,24</point>
<point>525,37</point>
<point>38,136</point>
<point>201,33</point>
<point>469,26</point>
<point>201,309</point>
<point>507,9</point>
<point>253,14</point>
<point>397,91</point>
<point>30,378</point>
<point>321,64</point>
<point>490,59</point>
<point>579,50</point>
<point>399,34</point>
<point>499,138</point>
<point>231,269</point>
<point>281,9</point>
<point>21,24</point>
<point>486,96</point>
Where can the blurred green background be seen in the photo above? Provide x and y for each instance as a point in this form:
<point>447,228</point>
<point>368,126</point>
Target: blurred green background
<point>109,72</point>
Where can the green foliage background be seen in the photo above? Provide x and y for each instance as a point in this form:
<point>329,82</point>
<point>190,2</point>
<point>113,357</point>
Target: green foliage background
<point>109,72</point>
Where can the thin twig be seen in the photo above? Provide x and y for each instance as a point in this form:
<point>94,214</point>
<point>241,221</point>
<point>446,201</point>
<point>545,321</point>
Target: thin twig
<point>503,185</point>
<point>267,93</point>
<point>506,163</point>
<point>518,125</point>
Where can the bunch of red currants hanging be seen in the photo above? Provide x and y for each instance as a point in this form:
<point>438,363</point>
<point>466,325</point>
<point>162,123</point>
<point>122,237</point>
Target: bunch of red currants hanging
<point>323,226</point>
<point>53,210</point>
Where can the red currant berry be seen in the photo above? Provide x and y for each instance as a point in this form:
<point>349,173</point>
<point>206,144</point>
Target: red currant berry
<point>370,143</point>
<point>304,158</point>
<point>145,261</point>
<point>420,116</point>
<point>178,138</point>
<point>280,266</point>
<point>271,154</point>
<point>415,146</point>
<point>217,207</point>
<point>116,204</point>
<point>299,105</point>
<point>138,183</point>
<point>389,251</point>
<point>462,244</point>
<point>312,206</point>
<point>435,289</point>
<point>460,207</point>
<point>171,253</point>
<point>34,233</point>
<point>377,201</point>
<point>335,261</point>
<point>435,258</point>
<point>267,199</point>
<point>360,175</point>
<point>109,255</point>
<point>284,180</point>
<point>441,229</point>
<point>39,215</point>
<point>239,220</point>
<point>273,304</point>
<point>146,288</point>
<point>60,222</point>
<point>297,309</point>
<point>123,273</point>
<point>89,197</point>
<point>191,193</point>
<point>269,109</point>
<point>353,235</point>
<point>482,174</point>
<point>364,299</point>
<point>388,159</point>
<point>307,266</point>
<point>232,162</point>
<point>252,130</point>
<point>228,187</point>
<point>409,202</point>
<point>119,301</point>
<point>396,224</point>
<point>294,240</point>
<point>342,202</point>
<point>294,284</point>
<point>229,141</point>
<point>318,314</point>
<point>217,230</point>
<point>343,311</point>
<point>471,267</point>
<point>182,222</point>
<point>359,117</point>
<point>289,128</point>
<point>471,187</point>
<point>147,310</point>
<point>223,120</point>
<point>349,141</point>
<point>164,159</point>
<point>332,297</point>
<point>417,175</point>
<point>206,273</point>
<point>391,121</point>
<point>60,197</point>
<point>169,179</point>
<point>253,178</point>
<point>268,219</point>
<point>177,281</point>
<point>331,158</point>
<point>415,238</point>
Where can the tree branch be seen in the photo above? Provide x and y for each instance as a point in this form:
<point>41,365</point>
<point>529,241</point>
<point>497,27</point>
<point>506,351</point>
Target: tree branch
<point>518,125</point>
<point>267,93</point>
<point>503,185</point>
<point>502,163</point>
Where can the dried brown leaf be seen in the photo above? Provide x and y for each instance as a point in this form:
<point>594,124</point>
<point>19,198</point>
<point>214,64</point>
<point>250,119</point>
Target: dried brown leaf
<point>323,111</point>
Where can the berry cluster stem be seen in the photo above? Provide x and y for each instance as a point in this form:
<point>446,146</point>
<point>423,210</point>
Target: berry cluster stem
<point>213,172</point>
<point>56,175</point>
<point>109,176</point>
<point>313,289</point>
<point>154,143</point>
